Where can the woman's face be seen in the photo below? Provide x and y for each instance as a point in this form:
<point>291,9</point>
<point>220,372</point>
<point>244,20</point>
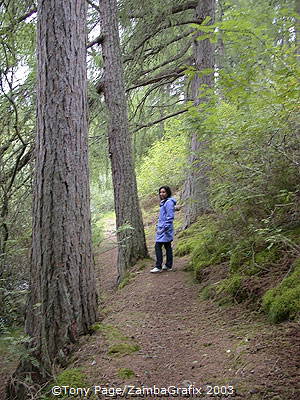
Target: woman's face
<point>163,194</point>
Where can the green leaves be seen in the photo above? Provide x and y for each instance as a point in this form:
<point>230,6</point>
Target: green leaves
<point>165,161</point>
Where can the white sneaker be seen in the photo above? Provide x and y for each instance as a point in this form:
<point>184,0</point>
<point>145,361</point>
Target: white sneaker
<point>165,268</point>
<point>155,269</point>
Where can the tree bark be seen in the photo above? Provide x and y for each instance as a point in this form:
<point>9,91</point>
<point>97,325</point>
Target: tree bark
<point>195,192</point>
<point>62,302</point>
<point>131,241</point>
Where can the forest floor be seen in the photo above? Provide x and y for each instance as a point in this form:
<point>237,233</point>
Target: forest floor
<point>156,333</point>
<point>157,329</point>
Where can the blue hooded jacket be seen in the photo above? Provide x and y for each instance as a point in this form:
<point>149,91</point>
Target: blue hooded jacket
<point>164,227</point>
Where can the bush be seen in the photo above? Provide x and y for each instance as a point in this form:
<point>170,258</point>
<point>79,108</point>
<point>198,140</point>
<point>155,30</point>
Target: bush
<point>165,161</point>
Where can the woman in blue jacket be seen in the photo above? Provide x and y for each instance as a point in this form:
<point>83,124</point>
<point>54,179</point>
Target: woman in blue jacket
<point>164,230</point>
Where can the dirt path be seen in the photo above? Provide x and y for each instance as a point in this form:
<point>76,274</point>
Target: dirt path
<point>184,342</point>
<point>156,333</point>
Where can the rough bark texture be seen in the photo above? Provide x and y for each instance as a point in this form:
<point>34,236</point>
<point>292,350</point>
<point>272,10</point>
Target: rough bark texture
<point>196,186</point>
<point>132,243</point>
<point>62,301</point>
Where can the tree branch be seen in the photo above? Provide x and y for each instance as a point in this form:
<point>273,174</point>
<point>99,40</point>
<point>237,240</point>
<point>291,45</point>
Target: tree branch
<point>22,161</point>
<point>159,120</point>
<point>174,10</point>
<point>159,77</point>
<point>148,92</point>
<point>167,25</point>
<point>27,15</point>
<point>157,49</point>
<point>169,61</point>
<point>93,5</point>
<point>98,40</point>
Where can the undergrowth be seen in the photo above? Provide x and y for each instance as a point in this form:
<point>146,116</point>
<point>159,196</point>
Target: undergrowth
<point>283,301</point>
<point>253,258</point>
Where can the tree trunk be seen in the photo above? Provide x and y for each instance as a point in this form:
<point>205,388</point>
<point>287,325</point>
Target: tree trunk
<point>62,301</point>
<point>195,192</point>
<point>130,229</point>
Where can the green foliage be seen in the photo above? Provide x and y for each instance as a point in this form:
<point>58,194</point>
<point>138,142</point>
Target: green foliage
<point>231,288</point>
<point>11,342</point>
<point>206,244</point>
<point>184,247</point>
<point>210,249</point>
<point>283,302</point>
<point>251,123</point>
<point>208,292</point>
<point>251,255</point>
<point>248,258</point>
<point>253,148</point>
<point>102,199</point>
<point>14,346</point>
<point>165,161</point>
<point>97,230</point>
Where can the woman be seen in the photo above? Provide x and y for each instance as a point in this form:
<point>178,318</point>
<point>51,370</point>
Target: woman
<point>164,230</point>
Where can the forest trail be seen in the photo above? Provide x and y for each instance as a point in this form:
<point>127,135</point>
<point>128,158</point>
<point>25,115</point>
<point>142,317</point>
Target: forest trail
<point>183,340</point>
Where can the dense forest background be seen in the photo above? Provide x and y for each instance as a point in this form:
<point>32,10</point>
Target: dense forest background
<point>228,79</point>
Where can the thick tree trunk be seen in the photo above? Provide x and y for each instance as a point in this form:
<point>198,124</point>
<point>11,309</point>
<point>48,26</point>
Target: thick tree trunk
<point>195,192</point>
<point>62,302</point>
<point>131,241</point>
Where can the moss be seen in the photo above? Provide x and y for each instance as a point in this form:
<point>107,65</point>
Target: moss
<point>122,349</point>
<point>95,327</point>
<point>72,377</point>
<point>185,246</point>
<point>205,242</point>
<point>126,280</point>
<point>251,256</point>
<point>193,230</point>
<point>190,237</point>
<point>212,249</point>
<point>111,333</point>
<point>231,288</point>
<point>283,302</point>
<point>240,253</point>
<point>125,373</point>
<point>119,344</point>
<point>293,234</point>
<point>267,256</point>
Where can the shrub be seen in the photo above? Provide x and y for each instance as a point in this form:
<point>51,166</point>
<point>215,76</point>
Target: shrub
<point>166,155</point>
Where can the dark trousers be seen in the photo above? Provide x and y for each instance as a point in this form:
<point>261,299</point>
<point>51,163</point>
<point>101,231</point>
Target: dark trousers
<point>159,254</point>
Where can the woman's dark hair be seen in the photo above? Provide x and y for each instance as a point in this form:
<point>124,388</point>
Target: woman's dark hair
<point>167,189</point>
